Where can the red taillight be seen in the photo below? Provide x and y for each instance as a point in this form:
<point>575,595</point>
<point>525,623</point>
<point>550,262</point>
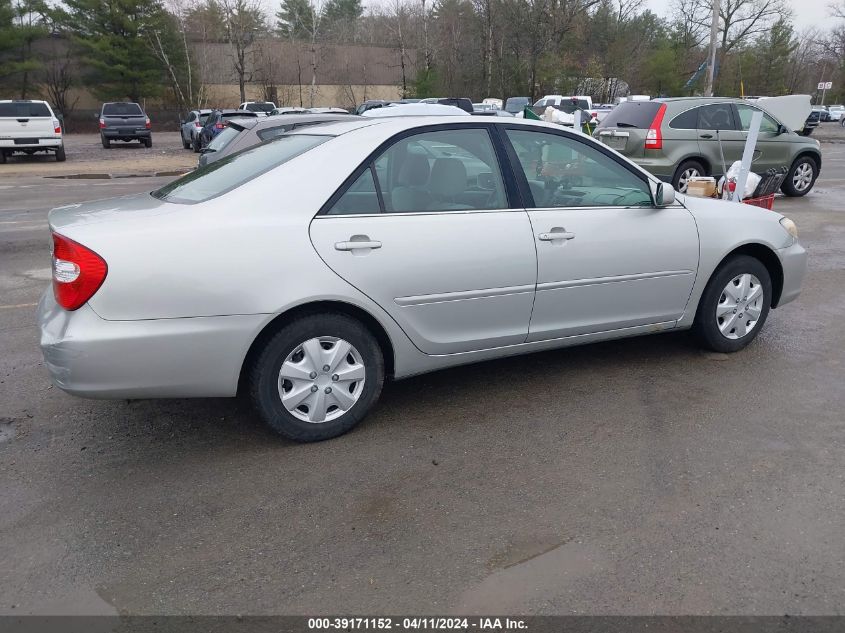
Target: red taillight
<point>148,125</point>
<point>102,123</point>
<point>78,272</point>
<point>57,128</point>
<point>654,138</point>
<point>219,126</point>
<point>198,124</point>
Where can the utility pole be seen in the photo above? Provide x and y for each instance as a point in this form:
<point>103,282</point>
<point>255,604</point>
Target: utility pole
<point>714,36</point>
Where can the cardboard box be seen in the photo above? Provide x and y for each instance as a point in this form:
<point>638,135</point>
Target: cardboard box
<point>702,187</point>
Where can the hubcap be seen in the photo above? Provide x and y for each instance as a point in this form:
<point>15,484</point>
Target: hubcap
<point>683,180</point>
<point>321,379</point>
<point>740,306</point>
<point>802,177</point>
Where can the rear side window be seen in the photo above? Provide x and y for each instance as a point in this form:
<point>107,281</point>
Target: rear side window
<point>634,114</point>
<point>224,138</point>
<point>716,116</point>
<point>24,110</point>
<point>231,172</point>
<point>686,120</point>
<point>122,109</point>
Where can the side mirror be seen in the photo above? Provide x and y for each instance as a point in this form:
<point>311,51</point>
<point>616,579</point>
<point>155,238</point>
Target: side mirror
<point>663,194</point>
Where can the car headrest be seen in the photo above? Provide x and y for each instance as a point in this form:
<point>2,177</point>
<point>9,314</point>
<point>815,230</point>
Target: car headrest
<point>415,171</point>
<point>448,177</point>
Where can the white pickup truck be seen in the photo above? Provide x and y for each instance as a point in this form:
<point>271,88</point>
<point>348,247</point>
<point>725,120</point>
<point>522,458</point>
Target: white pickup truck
<point>28,127</point>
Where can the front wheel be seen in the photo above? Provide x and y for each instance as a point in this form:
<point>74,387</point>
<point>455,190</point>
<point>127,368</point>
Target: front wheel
<point>686,170</point>
<point>801,177</point>
<point>734,305</point>
<point>317,377</point>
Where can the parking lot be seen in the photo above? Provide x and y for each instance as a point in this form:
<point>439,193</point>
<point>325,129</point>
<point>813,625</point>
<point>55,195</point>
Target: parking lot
<point>635,477</point>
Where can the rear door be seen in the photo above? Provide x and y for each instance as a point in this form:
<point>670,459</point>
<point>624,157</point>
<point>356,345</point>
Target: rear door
<point>24,122</point>
<point>127,118</point>
<point>718,134</point>
<point>435,240</point>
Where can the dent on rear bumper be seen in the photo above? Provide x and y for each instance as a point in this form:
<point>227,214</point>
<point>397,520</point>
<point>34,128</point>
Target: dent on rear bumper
<point>794,262</point>
<point>161,358</point>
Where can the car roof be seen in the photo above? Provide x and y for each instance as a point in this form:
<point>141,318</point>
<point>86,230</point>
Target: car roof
<point>691,99</point>
<point>22,101</point>
<point>260,123</point>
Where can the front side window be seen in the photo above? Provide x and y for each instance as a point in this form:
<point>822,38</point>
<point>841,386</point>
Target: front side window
<point>232,171</point>
<point>564,172</point>
<point>444,170</point>
<point>768,125</point>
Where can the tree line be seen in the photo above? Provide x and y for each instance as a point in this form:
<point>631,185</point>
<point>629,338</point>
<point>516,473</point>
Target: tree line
<point>147,49</point>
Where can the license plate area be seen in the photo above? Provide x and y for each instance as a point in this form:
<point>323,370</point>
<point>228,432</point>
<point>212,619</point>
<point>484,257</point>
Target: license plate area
<point>615,141</point>
<point>26,141</point>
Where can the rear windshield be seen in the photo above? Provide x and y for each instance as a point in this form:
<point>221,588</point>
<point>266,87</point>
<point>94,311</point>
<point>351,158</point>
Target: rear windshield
<point>24,110</point>
<point>204,117</point>
<point>516,104</point>
<point>260,107</point>
<point>236,115</point>
<point>635,114</point>
<point>122,109</point>
<point>231,172</point>
<point>224,138</point>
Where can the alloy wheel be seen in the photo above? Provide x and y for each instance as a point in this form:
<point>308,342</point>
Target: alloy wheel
<point>321,379</point>
<point>684,178</point>
<point>802,177</point>
<point>740,306</point>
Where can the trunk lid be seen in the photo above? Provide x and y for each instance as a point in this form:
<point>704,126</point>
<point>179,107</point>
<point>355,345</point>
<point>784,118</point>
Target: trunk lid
<point>137,206</point>
<point>123,115</point>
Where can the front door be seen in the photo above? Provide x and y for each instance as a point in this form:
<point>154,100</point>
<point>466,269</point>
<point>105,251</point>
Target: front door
<point>607,259</point>
<point>774,148</point>
<point>427,232</point>
<point>718,135</point>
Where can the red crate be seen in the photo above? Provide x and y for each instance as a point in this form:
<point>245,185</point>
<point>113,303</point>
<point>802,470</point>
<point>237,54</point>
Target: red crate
<point>764,202</point>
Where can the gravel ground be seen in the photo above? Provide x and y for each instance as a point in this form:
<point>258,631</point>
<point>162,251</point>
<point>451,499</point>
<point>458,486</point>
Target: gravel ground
<point>86,155</point>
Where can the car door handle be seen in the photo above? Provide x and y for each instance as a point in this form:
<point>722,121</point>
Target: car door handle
<point>706,136</point>
<point>354,245</point>
<point>556,235</point>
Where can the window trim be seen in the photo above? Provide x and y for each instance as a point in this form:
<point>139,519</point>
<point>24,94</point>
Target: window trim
<point>511,193</point>
<point>753,107</point>
<point>680,114</point>
<point>522,179</point>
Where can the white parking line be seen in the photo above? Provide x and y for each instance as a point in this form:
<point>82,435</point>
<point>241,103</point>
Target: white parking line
<point>18,305</point>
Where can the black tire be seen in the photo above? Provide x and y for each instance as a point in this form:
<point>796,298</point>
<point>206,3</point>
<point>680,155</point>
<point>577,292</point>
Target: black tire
<point>106,142</point>
<point>195,143</point>
<point>788,187</point>
<point>706,325</point>
<point>263,376</point>
<point>2,157</point>
<point>60,154</point>
<point>185,144</point>
<point>681,173</point>
<point>807,131</point>
<point>148,142</point>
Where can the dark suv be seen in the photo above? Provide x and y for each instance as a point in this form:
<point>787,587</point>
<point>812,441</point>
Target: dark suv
<point>680,138</point>
<point>123,121</point>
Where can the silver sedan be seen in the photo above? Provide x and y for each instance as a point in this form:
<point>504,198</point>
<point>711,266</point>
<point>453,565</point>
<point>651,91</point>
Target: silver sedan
<point>307,270</point>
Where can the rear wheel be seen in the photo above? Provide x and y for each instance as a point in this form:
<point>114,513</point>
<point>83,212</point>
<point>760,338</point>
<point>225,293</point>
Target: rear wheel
<point>185,144</point>
<point>317,377</point>
<point>2,157</point>
<point>148,142</point>
<point>60,154</point>
<point>106,142</point>
<point>734,305</point>
<point>801,177</point>
<point>686,170</point>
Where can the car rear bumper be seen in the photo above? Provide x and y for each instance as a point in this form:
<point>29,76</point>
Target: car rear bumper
<point>120,134</point>
<point>51,142</point>
<point>159,358</point>
<point>793,259</point>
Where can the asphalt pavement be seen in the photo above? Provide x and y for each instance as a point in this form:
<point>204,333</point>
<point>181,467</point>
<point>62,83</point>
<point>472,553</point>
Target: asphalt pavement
<point>634,477</point>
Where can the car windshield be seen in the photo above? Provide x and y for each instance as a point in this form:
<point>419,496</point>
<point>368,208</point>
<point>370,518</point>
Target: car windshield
<point>231,172</point>
<point>122,109</point>
<point>516,104</point>
<point>260,107</point>
<point>24,109</point>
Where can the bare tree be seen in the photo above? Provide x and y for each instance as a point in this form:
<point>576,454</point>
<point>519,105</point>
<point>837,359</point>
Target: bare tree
<point>245,21</point>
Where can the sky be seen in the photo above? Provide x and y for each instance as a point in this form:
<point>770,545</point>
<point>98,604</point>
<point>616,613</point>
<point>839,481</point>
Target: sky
<point>806,13</point>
